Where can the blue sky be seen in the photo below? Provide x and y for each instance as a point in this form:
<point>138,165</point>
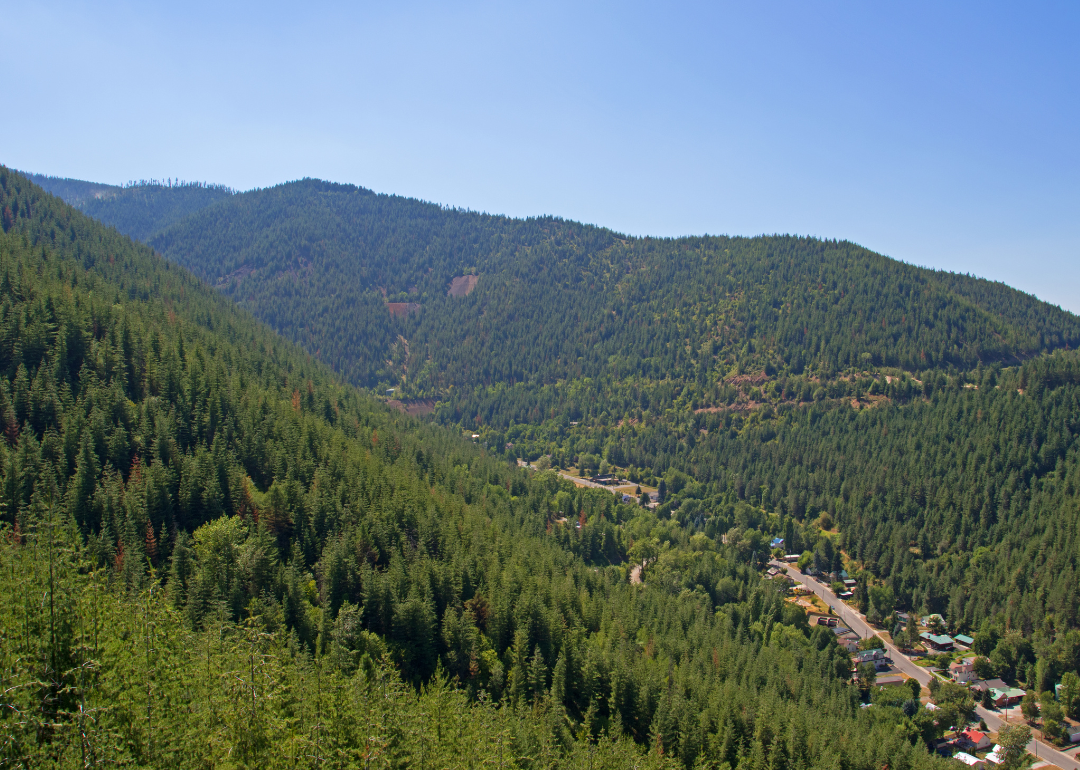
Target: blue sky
<point>945,135</point>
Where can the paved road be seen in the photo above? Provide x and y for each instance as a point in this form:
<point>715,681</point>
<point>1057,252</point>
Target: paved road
<point>858,624</point>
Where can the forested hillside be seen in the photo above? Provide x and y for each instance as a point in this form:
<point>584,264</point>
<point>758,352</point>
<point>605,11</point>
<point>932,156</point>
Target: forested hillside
<point>138,209</point>
<point>212,553</point>
<point>77,192</point>
<point>959,499</point>
<point>926,413</point>
<point>556,300</point>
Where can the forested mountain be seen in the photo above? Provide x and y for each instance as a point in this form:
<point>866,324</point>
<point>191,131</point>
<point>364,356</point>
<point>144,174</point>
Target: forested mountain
<point>748,364</point>
<point>214,554</point>
<point>138,209</point>
<point>957,499</point>
<point>556,300</point>
<point>77,192</point>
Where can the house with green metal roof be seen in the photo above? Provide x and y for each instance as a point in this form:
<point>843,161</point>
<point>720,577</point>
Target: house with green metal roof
<point>1007,697</point>
<point>939,642</point>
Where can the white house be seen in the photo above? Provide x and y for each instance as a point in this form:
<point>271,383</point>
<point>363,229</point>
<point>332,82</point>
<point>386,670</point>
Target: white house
<point>974,739</point>
<point>962,671</point>
<point>865,656</point>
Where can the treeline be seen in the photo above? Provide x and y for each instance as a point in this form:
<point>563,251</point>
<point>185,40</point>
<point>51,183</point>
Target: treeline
<point>213,553</point>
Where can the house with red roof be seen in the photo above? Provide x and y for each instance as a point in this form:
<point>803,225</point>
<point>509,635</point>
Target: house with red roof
<point>974,739</point>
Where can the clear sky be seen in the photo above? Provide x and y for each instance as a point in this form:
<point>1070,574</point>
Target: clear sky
<point>942,134</point>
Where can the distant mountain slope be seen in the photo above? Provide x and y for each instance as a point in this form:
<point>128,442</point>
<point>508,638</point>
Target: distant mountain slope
<point>138,210</point>
<point>558,300</point>
<point>73,191</point>
<point>148,207</point>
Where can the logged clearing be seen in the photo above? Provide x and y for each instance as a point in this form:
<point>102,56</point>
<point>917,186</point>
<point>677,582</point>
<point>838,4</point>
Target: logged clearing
<point>402,308</point>
<point>462,285</point>
<point>415,408</point>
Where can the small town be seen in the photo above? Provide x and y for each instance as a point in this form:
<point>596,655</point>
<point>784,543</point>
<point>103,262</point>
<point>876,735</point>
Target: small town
<point>922,665</point>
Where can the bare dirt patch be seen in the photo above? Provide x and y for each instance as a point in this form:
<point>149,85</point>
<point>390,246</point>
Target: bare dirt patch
<point>462,285</point>
<point>237,275</point>
<point>869,402</point>
<point>402,308</point>
<point>414,408</point>
<point>747,379</point>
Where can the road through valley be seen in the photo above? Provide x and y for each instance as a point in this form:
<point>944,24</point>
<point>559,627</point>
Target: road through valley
<point>857,623</point>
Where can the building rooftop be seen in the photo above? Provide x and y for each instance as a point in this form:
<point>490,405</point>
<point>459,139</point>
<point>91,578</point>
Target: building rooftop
<point>936,638</point>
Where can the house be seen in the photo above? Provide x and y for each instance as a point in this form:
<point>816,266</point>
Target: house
<point>1006,698</point>
<point>1072,733</point>
<point>627,498</point>
<point>964,639</point>
<point>997,756</point>
<point>791,558</point>
<point>969,760</point>
<point>925,619</point>
<point>849,583</point>
<point>865,656</point>
<point>939,642</point>
<point>962,671</point>
<point>776,542</point>
<point>846,594</point>
<point>975,740</point>
<point>989,684</point>
<point>849,642</point>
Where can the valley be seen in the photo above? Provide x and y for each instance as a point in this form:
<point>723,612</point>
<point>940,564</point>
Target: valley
<point>334,459</point>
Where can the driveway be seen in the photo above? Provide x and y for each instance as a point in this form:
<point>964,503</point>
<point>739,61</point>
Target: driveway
<point>858,624</point>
